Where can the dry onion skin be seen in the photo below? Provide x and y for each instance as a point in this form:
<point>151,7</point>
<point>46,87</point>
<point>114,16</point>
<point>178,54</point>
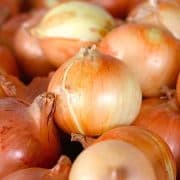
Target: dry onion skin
<point>59,172</point>
<point>163,118</point>
<point>161,13</point>
<point>31,58</point>
<point>94,93</point>
<point>119,159</point>
<point>28,135</point>
<point>69,26</point>
<point>150,52</point>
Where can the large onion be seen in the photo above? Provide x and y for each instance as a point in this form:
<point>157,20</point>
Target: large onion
<point>31,58</point>
<point>163,118</point>
<point>94,93</point>
<point>28,134</point>
<point>161,13</point>
<point>129,153</point>
<point>151,53</point>
<point>70,26</point>
<point>59,172</point>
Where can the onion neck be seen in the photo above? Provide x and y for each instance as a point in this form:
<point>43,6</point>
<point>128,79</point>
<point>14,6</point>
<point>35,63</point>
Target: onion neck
<point>84,140</point>
<point>62,168</point>
<point>90,52</point>
<point>42,110</point>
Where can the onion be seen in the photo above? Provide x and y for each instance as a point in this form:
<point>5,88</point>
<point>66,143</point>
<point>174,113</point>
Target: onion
<point>151,53</point>
<point>163,118</point>
<point>70,26</point>
<point>59,172</point>
<point>178,89</point>
<point>30,55</point>
<point>28,134</point>
<point>8,63</point>
<point>161,13</point>
<point>94,93</point>
<point>129,153</point>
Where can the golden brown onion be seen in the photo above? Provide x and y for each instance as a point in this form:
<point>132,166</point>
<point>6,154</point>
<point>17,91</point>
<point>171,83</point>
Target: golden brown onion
<point>28,134</point>
<point>164,13</point>
<point>69,26</point>
<point>129,153</point>
<point>31,58</point>
<point>150,52</point>
<point>163,118</point>
<point>178,89</point>
<point>94,93</point>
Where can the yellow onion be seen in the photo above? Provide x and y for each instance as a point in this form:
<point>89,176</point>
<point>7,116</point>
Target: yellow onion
<point>117,159</point>
<point>94,93</point>
<point>161,13</point>
<point>69,26</point>
<point>150,52</point>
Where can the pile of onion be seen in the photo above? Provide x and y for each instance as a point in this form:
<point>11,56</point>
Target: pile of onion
<point>150,52</point>
<point>69,26</point>
<point>160,13</point>
<point>59,172</point>
<point>163,118</point>
<point>126,152</point>
<point>28,135</point>
<point>31,58</point>
<point>94,93</point>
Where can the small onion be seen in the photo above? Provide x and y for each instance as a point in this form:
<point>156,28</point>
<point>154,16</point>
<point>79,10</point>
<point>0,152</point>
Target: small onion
<point>7,62</point>
<point>129,153</point>
<point>70,26</point>
<point>59,172</point>
<point>163,118</point>
<point>94,93</point>
<point>28,134</point>
<point>161,13</point>
<point>178,89</point>
<point>150,52</point>
<point>31,58</point>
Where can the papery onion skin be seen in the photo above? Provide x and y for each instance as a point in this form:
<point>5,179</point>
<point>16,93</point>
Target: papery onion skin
<point>31,58</point>
<point>59,172</point>
<point>28,134</point>
<point>7,62</point>
<point>150,52</point>
<point>94,93</point>
<point>163,118</point>
<point>116,159</point>
<point>164,14</point>
<point>65,29</point>
<point>178,89</point>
